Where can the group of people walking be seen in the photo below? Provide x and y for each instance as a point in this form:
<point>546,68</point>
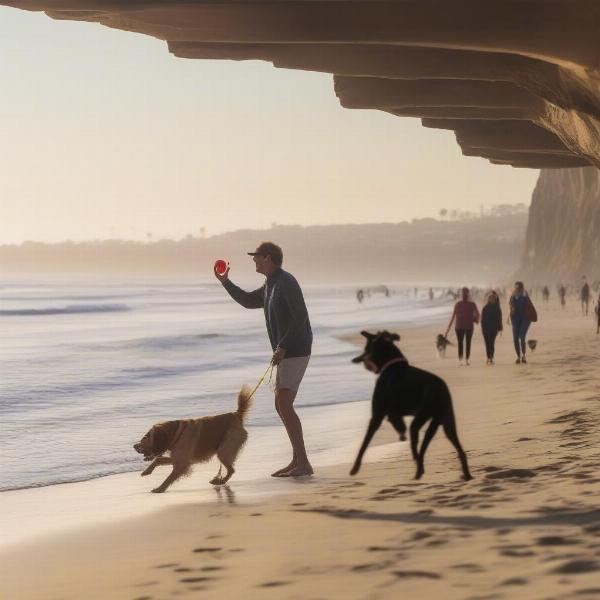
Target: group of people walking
<point>466,315</point>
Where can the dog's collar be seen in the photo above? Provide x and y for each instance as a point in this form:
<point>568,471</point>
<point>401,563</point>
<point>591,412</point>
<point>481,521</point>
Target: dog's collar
<point>389,363</point>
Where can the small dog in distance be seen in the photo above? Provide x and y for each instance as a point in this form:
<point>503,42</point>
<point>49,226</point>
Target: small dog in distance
<point>441,343</point>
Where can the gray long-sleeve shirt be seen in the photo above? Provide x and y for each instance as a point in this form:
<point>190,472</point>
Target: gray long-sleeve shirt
<point>286,316</point>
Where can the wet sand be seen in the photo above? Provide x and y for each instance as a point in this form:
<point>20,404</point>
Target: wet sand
<point>527,526</point>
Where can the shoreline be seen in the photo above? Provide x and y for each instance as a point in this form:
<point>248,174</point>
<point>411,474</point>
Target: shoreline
<point>528,524</point>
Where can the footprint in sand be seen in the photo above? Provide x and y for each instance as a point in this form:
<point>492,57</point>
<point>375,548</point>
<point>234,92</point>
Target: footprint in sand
<point>515,581</point>
<point>511,474</point>
<point>470,567</point>
<point>210,569</point>
<point>268,584</point>
<point>369,567</point>
<point>421,535</point>
<point>588,591</point>
<point>574,567</point>
<point>488,489</point>
<point>416,574</point>
<point>166,566</point>
<point>210,549</point>
<point>195,579</point>
<point>517,553</point>
<point>554,540</point>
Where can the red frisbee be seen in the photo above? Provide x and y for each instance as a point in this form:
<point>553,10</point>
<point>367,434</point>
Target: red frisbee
<point>220,266</point>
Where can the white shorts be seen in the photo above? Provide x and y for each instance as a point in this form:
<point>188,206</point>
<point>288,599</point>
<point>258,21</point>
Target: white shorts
<point>290,372</point>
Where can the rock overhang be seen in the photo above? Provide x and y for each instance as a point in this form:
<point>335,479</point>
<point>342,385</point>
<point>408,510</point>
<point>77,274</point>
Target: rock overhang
<point>518,81</point>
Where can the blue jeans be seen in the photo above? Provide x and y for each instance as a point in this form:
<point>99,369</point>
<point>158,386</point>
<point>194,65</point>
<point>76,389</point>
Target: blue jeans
<point>520,325</point>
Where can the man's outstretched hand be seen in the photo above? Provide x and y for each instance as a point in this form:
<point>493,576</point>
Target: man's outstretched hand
<point>222,276</point>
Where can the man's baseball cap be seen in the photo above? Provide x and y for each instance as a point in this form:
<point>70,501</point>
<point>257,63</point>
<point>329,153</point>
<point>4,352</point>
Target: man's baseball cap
<point>269,249</point>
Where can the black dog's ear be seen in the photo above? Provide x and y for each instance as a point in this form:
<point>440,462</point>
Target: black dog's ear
<point>359,359</point>
<point>389,336</point>
<point>366,334</point>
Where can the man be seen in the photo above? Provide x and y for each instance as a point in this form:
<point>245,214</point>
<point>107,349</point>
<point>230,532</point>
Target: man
<point>585,296</point>
<point>291,337</point>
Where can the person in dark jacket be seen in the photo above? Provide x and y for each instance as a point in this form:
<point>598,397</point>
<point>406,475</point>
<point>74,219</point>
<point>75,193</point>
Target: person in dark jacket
<point>491,324</point>
<point>290,334</point>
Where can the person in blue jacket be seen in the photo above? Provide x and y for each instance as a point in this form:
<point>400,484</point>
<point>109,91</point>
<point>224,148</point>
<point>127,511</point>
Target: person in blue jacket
<point>522,313</point>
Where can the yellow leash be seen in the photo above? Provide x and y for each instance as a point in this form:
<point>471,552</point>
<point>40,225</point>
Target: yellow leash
<point>262,379</point>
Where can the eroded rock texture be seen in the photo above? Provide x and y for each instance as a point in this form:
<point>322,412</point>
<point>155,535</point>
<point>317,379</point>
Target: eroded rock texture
<point>517,80</point>
<point>563,232</point>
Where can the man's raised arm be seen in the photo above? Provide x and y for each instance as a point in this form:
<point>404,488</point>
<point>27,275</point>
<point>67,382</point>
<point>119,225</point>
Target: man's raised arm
<point>254,299</point>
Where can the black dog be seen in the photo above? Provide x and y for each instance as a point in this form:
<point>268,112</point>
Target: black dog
<point>441,343</point>
<point>404,390</point>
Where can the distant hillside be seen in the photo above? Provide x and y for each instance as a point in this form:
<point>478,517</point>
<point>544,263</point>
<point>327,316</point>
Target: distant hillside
<point>484,249</point>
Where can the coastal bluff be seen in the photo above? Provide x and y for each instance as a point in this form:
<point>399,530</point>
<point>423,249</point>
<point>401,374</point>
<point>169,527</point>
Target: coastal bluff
<point>563,231</point>
<point>518,81</point>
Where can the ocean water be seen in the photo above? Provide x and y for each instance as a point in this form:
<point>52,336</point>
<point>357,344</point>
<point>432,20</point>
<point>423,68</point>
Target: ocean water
<point>87,368</point>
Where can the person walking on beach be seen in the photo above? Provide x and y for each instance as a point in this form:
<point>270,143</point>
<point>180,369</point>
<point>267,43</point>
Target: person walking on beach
<point>522,314</point>
<point>491,324</point>
<point>562,293</point>
<point>585,297</point>
<point>466,315</point>
<point>290,334</point>
<point>545,294</point>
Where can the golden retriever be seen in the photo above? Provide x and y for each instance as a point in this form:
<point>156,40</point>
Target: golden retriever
<point>191,441</point>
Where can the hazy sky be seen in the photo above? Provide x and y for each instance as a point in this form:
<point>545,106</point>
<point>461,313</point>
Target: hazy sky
<point>105,134</point>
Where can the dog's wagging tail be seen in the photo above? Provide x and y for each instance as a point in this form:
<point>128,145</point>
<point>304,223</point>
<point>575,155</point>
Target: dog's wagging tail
<point>402,390</point>
<point>190,441</point>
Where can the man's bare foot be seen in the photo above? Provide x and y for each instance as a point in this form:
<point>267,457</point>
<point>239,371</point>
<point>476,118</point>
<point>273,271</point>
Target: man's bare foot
<point>299,471</point>
<point>280,472</point>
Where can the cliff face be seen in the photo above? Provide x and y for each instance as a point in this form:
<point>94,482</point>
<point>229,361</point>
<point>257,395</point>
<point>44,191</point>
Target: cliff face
<point>518,81</point>
<point>563,234</point>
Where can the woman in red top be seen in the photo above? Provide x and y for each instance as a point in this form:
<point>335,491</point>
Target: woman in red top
<point>466,315</point>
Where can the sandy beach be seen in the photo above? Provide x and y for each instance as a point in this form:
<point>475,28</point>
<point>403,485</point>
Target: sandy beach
<point>527,526</point>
